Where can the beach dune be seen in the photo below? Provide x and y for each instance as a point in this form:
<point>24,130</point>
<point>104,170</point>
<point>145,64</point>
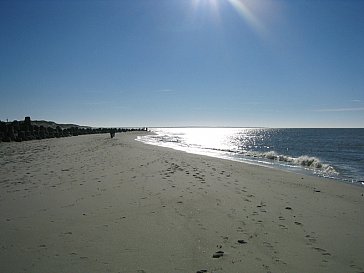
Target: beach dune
<point>95,204</point>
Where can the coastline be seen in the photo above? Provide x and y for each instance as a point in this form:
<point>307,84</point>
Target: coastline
<point>319,152</point>
<point>94,204</point>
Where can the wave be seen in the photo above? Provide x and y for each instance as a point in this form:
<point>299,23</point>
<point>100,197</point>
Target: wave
<point>305,161</point>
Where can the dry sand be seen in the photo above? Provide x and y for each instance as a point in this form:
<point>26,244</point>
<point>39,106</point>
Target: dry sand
<point>95,204</point>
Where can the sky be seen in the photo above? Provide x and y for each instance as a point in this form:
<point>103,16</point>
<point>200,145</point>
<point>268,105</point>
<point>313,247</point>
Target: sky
<point>154,63</point>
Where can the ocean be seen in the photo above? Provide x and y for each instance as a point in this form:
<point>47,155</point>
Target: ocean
<point>331,153</point>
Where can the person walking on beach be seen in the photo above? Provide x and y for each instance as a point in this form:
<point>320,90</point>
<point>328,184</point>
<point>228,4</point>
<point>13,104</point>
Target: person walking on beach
<point>112,133</point>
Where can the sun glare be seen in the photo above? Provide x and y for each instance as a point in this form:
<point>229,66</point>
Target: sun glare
<point>247,14</point>
<point>204,5</point>
<point>244,8</point>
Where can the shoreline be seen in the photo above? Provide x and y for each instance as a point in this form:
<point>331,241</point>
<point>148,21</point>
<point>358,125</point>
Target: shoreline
<point>95,204</point>
<point>274,164</point>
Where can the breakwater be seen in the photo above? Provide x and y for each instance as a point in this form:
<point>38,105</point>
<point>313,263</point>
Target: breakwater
<point>25,130</point>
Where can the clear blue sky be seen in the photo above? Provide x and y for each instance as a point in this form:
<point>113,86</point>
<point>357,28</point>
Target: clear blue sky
<point>274,63</point>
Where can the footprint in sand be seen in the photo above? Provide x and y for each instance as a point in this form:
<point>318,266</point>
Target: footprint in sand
<point>311,239</point>
<point>218,254</point>
<point>322,251</point>
<point>283,227</point>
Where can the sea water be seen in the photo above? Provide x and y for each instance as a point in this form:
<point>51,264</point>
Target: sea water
<point>331,153</point>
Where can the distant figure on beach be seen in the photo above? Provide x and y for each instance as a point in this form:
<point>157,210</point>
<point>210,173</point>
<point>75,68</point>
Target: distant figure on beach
<point>112,133</point>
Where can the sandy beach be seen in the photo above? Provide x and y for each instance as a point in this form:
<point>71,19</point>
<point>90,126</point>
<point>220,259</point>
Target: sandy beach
<point>94,204</point>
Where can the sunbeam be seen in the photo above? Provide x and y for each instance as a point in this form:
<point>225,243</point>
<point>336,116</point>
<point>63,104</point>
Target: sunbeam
<point>247,14</point>
<point>246,10</point>
<point>211,5</point>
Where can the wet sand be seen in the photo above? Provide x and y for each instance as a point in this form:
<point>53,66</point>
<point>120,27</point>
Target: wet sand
<point>95,204</point>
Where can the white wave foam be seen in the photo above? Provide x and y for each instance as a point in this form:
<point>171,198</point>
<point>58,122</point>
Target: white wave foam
<point>303,161</point>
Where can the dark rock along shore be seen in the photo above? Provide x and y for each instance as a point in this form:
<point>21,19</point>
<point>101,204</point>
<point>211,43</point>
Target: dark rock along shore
<point>25,130</point>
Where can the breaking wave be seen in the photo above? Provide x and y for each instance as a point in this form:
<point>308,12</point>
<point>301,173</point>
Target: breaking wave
<point>303,161</point>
